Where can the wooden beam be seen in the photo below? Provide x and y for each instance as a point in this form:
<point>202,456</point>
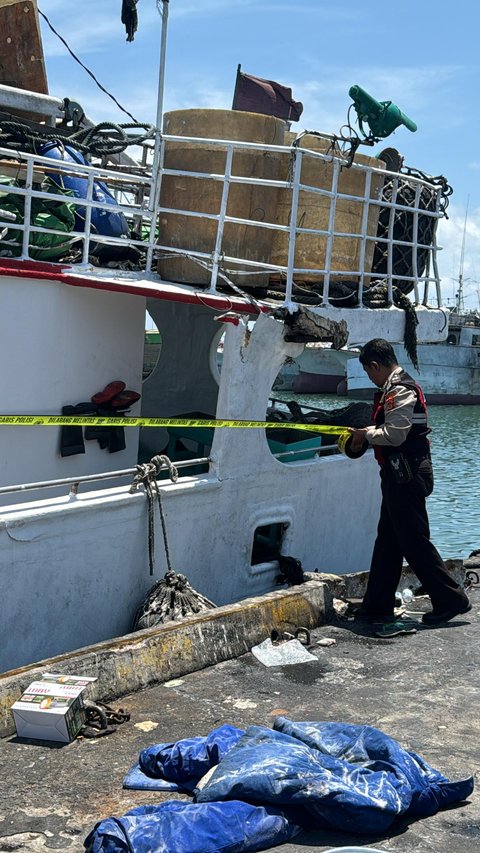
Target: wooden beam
<point>22,62</point>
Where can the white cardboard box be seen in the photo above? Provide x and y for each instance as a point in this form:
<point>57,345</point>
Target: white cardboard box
<point>51,709</point>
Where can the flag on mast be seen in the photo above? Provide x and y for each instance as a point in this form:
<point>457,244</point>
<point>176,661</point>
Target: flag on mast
<point>255,95</point>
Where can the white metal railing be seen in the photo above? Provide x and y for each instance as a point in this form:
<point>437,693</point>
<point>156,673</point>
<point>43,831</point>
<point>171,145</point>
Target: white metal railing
<point>139,200</point>
<point>75,482</point>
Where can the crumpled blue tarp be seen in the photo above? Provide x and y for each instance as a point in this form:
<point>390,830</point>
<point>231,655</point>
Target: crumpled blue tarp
<point>323,775</point>
<point>179,766</point>
<point>184,827</point>
<point>137,780</point>
<point>345,776</point>
<point>189,759</point>
<point>430,790</point>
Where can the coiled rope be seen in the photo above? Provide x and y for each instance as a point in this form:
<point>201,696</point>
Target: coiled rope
<point>101,140</point>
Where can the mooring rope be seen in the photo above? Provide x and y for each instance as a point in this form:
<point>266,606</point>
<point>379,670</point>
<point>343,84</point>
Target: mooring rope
<point>147,474</point>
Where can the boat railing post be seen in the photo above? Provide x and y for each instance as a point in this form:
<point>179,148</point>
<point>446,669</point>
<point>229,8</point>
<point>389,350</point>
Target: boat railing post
<point>331,230</point>
<point>155,191</point>
<point>391,225</point>
<point>217,252</point>
<point>363,243</point>
<point>415,244</point>
<point>433,252</point>
<point>88,220</point>
<point>297,171</point>
<point>27,210</point>
<point>426,281</point>
<point>158,154</point>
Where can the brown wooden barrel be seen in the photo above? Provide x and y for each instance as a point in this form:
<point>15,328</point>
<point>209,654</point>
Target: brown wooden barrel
<point>314,212</point>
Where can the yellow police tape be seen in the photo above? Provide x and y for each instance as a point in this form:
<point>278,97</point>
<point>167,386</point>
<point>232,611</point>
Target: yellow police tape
<point>89,420</point>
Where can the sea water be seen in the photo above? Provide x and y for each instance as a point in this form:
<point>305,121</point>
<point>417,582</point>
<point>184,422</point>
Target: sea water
<point>454,506</point>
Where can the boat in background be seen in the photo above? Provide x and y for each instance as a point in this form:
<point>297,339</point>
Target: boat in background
<point>320,369</point>
<point>449,372</point>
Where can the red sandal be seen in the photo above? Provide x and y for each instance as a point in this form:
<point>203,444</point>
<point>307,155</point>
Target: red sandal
<point>110,391</point>
<point>124,399</point>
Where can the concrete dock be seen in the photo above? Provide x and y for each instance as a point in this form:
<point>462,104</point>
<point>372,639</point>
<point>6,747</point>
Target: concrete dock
<point>421,689</point>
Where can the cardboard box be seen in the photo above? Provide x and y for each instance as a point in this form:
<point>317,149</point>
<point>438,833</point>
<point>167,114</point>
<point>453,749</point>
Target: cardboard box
<point>52,709</point>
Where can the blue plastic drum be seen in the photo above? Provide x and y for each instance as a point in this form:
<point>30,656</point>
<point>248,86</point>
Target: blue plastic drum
<point>103,222</point>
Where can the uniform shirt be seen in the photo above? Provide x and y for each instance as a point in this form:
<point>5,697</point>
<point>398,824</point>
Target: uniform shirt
<point>398,402</point>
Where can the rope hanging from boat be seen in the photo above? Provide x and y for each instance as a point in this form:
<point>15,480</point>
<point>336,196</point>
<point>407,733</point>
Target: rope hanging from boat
<point>147,474</point>
<point>101,140</point>
<point>172,597</point>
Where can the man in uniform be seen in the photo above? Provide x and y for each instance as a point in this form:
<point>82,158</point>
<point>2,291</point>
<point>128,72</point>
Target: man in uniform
<point>399,439</point>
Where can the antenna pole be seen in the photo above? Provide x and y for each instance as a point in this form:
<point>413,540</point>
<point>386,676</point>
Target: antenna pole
<point>161,89</point>
<point>460,300</point>
<point>163,55</point>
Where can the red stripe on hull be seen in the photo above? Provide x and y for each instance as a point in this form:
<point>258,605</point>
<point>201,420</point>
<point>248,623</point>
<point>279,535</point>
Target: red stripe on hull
<point>62,273</point>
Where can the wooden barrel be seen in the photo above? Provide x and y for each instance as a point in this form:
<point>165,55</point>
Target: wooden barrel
<point>314,212</point>
<point>204,195</point>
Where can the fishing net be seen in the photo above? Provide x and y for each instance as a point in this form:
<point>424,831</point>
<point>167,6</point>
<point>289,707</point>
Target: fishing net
<point>168,600</point>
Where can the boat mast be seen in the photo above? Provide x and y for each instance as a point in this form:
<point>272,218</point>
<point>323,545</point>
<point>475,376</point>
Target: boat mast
<point>460,303</point>
<point>157,153</point>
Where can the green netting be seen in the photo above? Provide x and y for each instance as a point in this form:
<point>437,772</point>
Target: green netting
<point>45,213</point>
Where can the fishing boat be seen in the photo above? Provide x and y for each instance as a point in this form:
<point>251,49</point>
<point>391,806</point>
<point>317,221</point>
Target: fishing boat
<point>449,372</point>
<point>92,237</point>
<point>320,369</point>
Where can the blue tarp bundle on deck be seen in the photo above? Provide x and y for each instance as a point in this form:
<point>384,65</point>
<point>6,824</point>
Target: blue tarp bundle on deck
<point>176,826</point>
<point>314,775</point>
<point>179,766</point>
<point>188,760</point>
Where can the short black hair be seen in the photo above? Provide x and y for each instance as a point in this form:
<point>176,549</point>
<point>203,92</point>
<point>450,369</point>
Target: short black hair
<point>378,350</point>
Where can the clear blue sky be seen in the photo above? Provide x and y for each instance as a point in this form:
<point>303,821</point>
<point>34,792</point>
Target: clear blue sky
<point>422,55</point>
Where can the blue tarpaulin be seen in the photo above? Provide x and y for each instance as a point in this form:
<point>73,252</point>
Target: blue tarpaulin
<point>313,774</point>
<point>179,766</point>
<point>345,776</point>
<point>189,759</point>
<point>184,827</point>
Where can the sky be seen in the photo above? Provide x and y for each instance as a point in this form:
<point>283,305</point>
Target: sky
<point>421,55</point>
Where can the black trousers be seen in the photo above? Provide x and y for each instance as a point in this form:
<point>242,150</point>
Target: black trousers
<point>404,533</point>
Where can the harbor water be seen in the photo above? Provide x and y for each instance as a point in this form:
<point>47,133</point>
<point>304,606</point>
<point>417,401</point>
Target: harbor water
<point>454,506</point>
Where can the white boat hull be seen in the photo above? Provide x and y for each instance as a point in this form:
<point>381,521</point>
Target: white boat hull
<point>74,572</point>
<point>75,569</point>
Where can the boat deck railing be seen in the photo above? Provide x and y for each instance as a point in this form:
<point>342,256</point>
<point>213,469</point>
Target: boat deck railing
<point>75,482</point>
<point>138,196</point>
